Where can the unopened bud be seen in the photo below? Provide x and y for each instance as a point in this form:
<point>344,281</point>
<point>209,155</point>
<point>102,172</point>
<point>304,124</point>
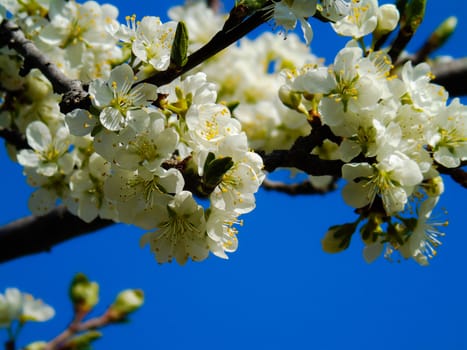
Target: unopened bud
<point>37,85</point>
<point>290,98</point>
<point>127,301</point>
<point>338,238</point>
<point>443,32</point>
<point>37,345</point>
<point>371,230</point>
<point>434,187</point>
<point>388,17</point>
<point>83,341</point>
<point>84,294</point>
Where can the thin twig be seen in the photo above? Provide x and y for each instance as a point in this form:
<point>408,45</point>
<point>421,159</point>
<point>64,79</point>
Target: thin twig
<point>75,328</point>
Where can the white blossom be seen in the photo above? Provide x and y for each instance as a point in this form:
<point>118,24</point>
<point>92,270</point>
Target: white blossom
<point>423,239</point>
<point>201,21</point>
<point>181,231</point>
<point>153,42</point>
<point>120,103</point>
<point>22,307</point>
<point>288,12</point>
<point>393,178</point>
<point>361,20</point>
<point>448,138</point>
<point>49,152</point>
<point>334,10</point>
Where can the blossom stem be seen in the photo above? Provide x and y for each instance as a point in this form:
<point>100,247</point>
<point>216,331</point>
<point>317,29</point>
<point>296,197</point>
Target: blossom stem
<point>76,327</point>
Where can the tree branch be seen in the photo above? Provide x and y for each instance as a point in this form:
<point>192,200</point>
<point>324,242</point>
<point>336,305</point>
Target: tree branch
<point>74,95</point>
<point>300,157</point>
<point>14,138</point>
<point>36,234</point>
<point>452,75</point>
<point>308,163</point>
<point>33,234</point>
<point>304,187</point>
<point>457,174</point>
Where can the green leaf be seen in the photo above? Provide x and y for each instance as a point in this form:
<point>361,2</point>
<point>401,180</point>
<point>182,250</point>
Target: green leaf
<point>179,53</point>
<point>214,170</point>
<point>415,12</point>
<point>96,130</point>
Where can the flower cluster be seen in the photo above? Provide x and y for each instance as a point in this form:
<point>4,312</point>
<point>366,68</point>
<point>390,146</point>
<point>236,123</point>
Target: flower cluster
<point>248,76</point>
<point>169,159</point>
<point>396,128</point>
<point>181,159</point>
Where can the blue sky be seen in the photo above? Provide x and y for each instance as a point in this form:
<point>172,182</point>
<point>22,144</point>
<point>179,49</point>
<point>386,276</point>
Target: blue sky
<point>279,290</point>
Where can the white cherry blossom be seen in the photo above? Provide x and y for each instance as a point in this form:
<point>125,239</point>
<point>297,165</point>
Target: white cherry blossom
<point>120,102</point>
<point>153,42</point>
<point>393,179</point>
<point>49,154</point>
<point>288,12</point>
<point>361,20</point>
<point>181,231</point>
<point>423,239</point>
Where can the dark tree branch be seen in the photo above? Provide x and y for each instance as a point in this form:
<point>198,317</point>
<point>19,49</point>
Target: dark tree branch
<point>36,234</point>
<point>74,95</point>
<point>31,235</point>
<point>14,138</point>
<point>308,163</point>
<point>457,174</point>
<point>304,187</point>
<point>300,157</point>
<point>453,76</point>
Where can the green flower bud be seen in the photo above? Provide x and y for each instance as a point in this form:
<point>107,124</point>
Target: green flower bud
<point>37,345</point>
<point>83,341</point>
<point>434,187</point>
<point>338,238</point>
<point>84,294</point>
<point>127,301</point>
<point>37,86</point>
<point>371,229</point>
<point>290,98</point>
<point>443,32</point>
